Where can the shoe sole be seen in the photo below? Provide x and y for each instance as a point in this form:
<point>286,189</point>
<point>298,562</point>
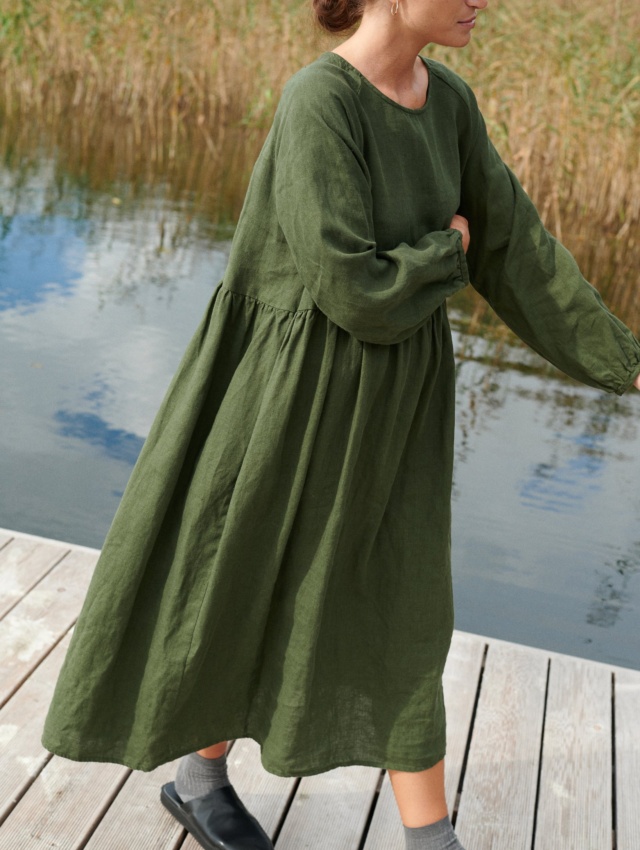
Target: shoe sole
<point>171,802</point>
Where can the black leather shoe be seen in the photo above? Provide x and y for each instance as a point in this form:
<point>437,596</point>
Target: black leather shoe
<point>218,820</point>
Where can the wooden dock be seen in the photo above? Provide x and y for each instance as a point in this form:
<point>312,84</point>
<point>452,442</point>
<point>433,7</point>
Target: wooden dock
<point>543,748</point>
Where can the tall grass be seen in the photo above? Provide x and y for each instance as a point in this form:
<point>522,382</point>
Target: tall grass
<point>559,84</point>
<point>176,91</point>
<point>183,91</point>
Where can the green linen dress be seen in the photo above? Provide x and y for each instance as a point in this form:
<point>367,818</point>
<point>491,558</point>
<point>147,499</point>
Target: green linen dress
<point>279,565</point>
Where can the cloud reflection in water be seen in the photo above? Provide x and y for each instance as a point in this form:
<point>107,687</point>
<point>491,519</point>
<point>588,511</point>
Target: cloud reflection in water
<point>115,442</point>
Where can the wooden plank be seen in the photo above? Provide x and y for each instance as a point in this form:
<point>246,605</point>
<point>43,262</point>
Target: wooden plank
<point>264,794</point>
<point>385,830</point>
<point>136,816</point>
<point>460,684</point>
<point>574,808</point>
<point>627,751</point>
<point>38,538</point>
<point>137,811</point>
<point>499,787</point>
<point>39,620</point>
<point>78,805</point>
<point>22,756</point>
<point>23,563</point>
<point>64,805</point>
<point>21,547</point>
<point>330,809</point>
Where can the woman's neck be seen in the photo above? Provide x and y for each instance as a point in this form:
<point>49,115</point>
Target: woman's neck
<point>388,63</point>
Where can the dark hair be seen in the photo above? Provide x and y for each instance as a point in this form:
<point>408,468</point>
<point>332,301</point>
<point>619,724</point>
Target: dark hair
<point>338,15</point>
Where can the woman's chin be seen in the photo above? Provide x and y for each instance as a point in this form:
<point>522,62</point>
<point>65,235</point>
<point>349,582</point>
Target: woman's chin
<point>460,39</point>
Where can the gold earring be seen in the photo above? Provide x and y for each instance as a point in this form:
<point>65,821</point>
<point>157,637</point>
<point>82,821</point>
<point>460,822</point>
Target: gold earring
<point>394,7</point>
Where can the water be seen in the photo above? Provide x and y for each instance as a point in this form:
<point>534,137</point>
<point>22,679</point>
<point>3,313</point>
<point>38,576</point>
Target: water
<point>547,508</point>
<point>99,295</point>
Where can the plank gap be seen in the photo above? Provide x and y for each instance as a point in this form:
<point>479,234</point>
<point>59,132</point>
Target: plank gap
<point>99,815</point>
<point>20,794</point>
<point>496,805</point>
<point>614,812</point>
<point>463,769</point>
<point>10,694</point>
<point>286,808</point>
<point>380,780</point>
<point>6,542</point>
<point>539,779</point>
<point>181,840</point>
<point>35,583</point>
<point>372,808</point>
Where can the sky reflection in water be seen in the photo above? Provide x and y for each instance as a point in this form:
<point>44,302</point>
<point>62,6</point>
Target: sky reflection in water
<point>97,304</point>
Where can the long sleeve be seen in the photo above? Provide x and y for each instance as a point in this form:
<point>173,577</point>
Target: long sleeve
<point>324,207</point>
<point>532,281</point>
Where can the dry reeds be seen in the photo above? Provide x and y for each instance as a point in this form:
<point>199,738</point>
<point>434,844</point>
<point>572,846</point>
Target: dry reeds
<point>559,84</point>
<point>183,92</point>
<point>165,91</point>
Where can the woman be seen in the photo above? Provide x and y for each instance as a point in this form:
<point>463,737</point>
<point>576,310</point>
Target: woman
<point>279,565</point>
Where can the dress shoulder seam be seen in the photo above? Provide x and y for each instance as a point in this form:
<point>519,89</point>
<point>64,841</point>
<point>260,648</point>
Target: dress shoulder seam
<point>319,80</point>
<point>444,77</point>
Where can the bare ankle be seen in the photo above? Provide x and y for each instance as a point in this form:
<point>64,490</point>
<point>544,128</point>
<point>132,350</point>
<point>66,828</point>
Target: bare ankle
<point>214,751</point>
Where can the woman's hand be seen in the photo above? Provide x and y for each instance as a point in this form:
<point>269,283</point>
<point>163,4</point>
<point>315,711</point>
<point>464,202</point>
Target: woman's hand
<point>636,383</point>
<point>459,222</point>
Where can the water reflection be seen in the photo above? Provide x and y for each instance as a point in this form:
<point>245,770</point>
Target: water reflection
<point>88,344</point>
<point>38,256</point>
<point>546,505</point>
<point>571,473</point>
<point>95,430</point>
<point>115,442</point>
<point>613,593</point>
<point>100,293</point>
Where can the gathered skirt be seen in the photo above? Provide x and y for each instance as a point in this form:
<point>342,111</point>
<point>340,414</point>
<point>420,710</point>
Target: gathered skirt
<point>279,564</point>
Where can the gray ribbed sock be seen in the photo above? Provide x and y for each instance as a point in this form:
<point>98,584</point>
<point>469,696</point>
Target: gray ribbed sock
<point>198,775</point>
<point>433,836</point>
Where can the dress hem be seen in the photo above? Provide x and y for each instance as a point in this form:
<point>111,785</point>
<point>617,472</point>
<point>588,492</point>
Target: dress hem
<point>388,762</point>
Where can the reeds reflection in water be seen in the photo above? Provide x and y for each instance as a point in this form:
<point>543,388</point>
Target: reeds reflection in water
<point>176,98</point>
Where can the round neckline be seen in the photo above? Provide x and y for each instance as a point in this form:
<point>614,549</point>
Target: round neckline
<point>349,67</point>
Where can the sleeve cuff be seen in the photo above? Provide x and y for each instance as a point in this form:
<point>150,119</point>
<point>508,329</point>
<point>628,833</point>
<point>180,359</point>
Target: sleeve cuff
<point>628,384</point>
<point>463,268</point>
